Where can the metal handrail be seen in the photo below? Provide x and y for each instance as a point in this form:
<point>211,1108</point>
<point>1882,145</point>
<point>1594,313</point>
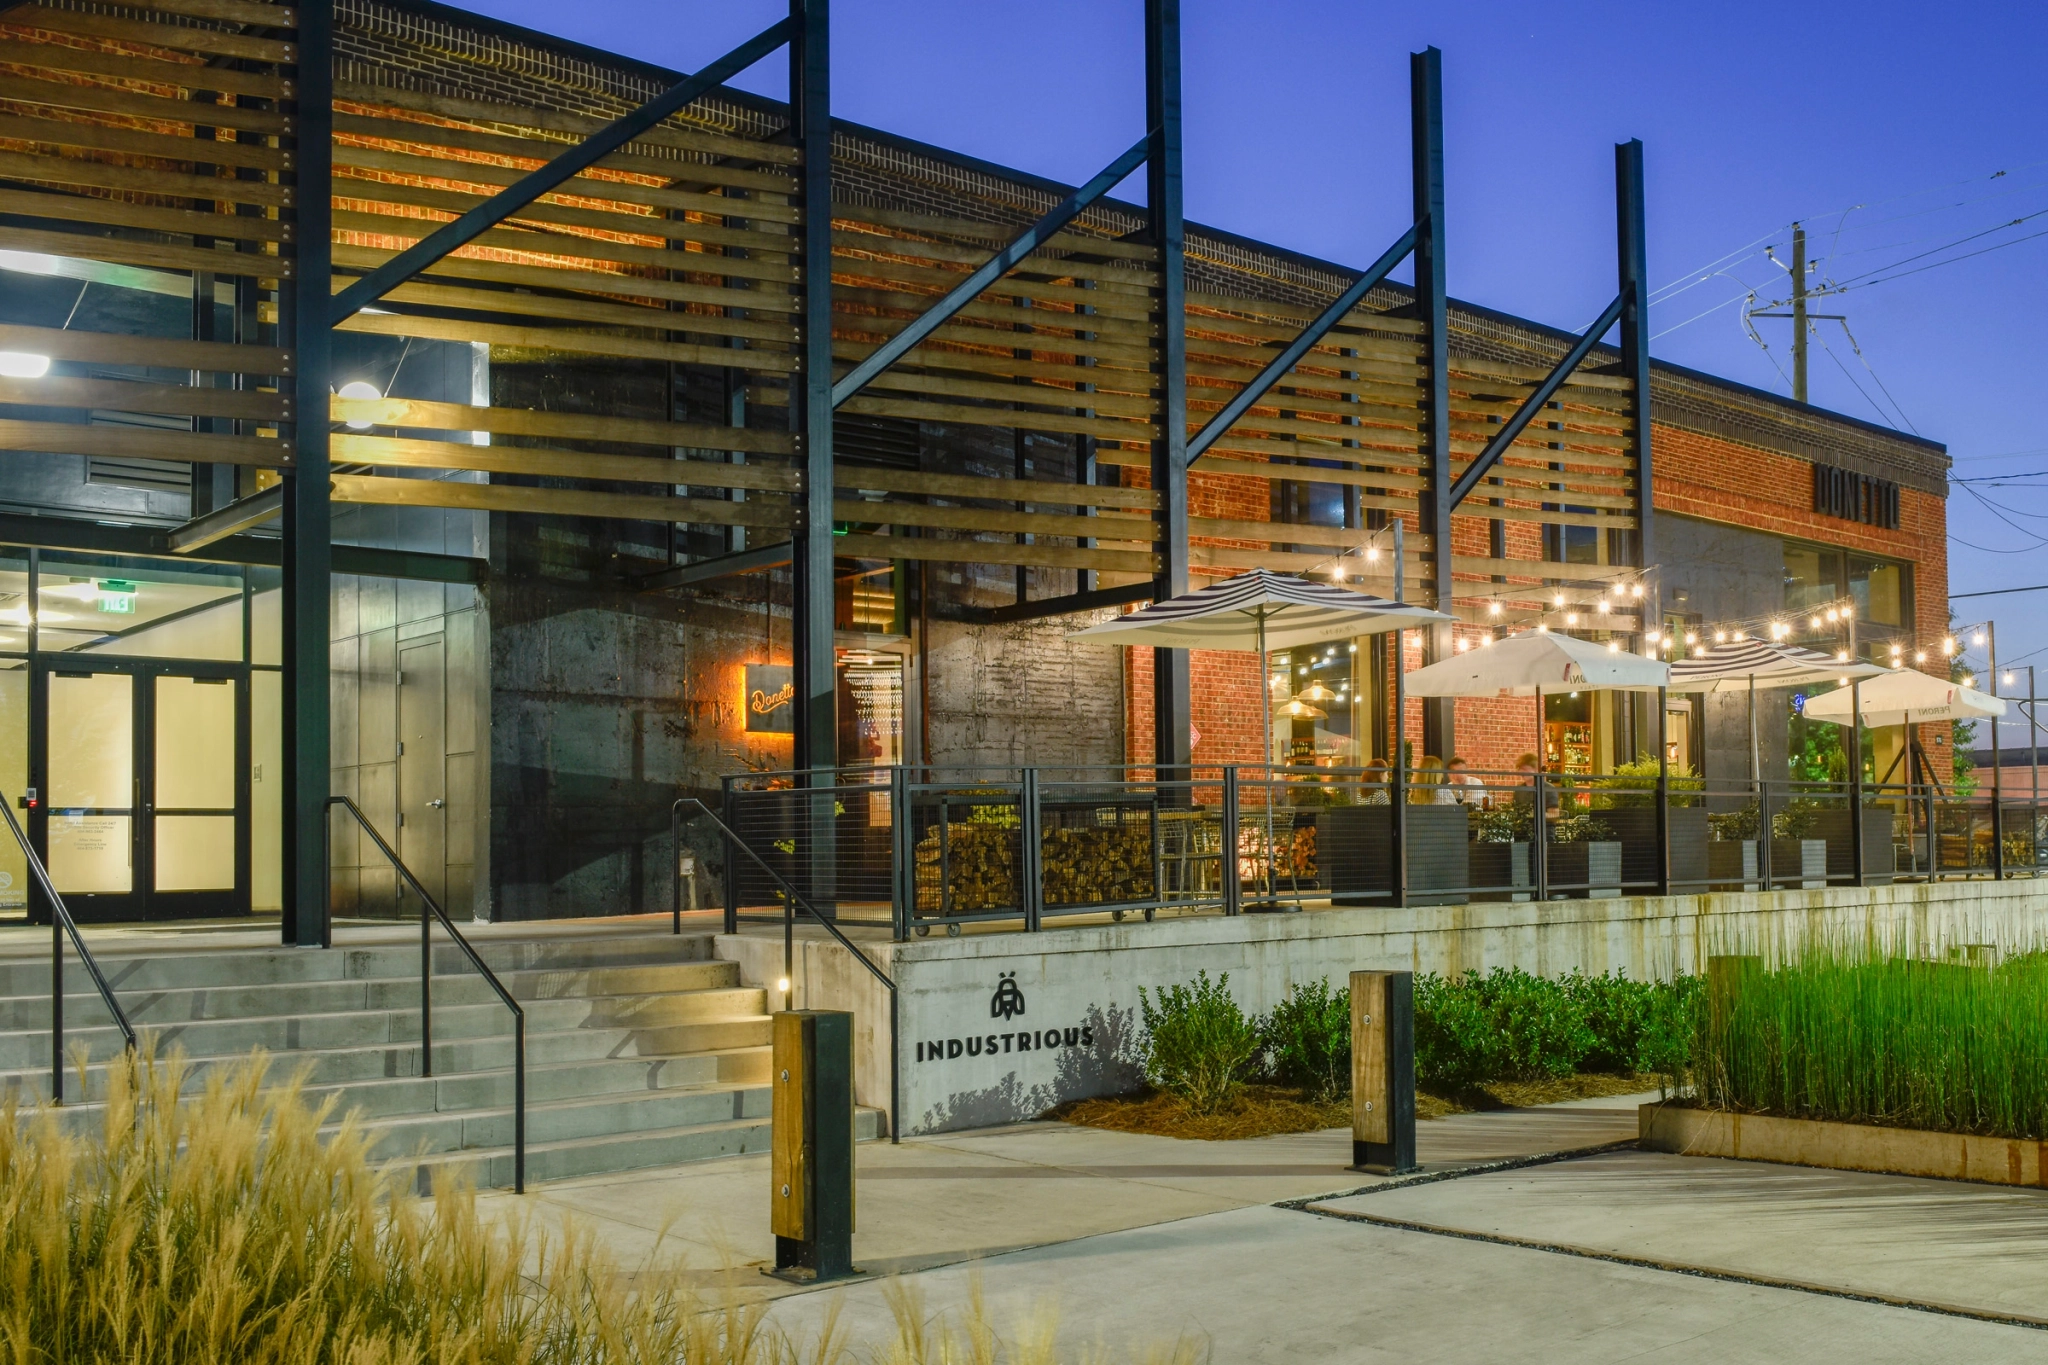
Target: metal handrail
<point>61,924</point>
<point>433,911</point>
<point>792,900</point>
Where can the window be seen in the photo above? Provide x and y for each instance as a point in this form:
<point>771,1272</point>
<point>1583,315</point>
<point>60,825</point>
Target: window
<point>1813,576</point>
<point>1879,588</point>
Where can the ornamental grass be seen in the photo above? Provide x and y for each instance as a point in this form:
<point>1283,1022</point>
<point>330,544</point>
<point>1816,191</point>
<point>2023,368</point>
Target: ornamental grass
<point>1862,1037</point>
<point>228,1228</point>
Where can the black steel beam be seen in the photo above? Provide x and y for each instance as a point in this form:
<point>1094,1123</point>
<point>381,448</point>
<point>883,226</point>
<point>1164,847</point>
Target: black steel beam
<point>219,524</point>
<point>1172,699</point>
<point>1632,260</point>
<point>1533,404</point>
<point>1092,600</point>
<point>810,89</point>
<point>577,159</point>
<point>1432,306</point>
<point>988,272</point>
<point>1278,367</point>
<point>722,566</point>
<point>303,327</point>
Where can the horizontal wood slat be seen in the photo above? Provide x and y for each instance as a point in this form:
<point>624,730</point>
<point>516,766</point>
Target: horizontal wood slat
<point>347,155</point>
<point>547,215</point>
<point>669,134</point>
<point>1108,527</point>
<point>142,443</point>
<point>65,132</point>
<point>105,175</point>
<point>102,99</point>
<point>575,343</point>
<point>560,502</point>
<point>419,413</point>
<point>78,208</point>
<point>125,251</point>
<point>115,395</point>
<point>553,463</point>
<point>181,37</point>
<point>405,230</point>
<point>563,277</point>
<point>948,551</point>
<point>1000,490</point>
<point>109,348</point>
<point>193,75</point>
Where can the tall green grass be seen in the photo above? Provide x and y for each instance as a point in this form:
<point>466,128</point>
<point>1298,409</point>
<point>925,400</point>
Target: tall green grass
<point>1857,1036</point>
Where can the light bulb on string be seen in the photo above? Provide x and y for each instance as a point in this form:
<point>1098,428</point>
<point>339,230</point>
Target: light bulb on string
<point>1493,608</point>
<point>1978,639</point>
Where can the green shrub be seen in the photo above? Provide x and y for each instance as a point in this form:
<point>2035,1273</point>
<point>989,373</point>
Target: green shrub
<point>1456,1047</point>
<point>1199,1045</point>
<point>1637,1026</point>
<point>1513,822</point>
<point>1511,1026</point>
<point>1308,1040</point>
<point>1577,827</point>
<point>1635,784</point>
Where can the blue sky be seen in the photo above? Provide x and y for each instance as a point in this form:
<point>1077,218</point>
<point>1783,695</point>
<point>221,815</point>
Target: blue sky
<point>1882,125</point>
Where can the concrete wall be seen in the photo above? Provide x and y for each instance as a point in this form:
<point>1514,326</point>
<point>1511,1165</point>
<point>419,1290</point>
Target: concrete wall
<point>1076,990</point>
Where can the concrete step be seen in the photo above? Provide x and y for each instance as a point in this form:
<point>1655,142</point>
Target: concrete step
<point>189,1004</point>
<point>185,968</point>
<point>492,1167</point>
<point>404,1135</point>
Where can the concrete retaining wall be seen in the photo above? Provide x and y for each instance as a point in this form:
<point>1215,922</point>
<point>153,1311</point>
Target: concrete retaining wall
<point>1001,1027</point>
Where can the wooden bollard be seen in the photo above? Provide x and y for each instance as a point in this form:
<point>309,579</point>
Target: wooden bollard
<point>1383,1072</point>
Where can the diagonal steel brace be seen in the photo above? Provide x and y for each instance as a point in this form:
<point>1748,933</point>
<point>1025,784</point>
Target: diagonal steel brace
<point>1275,371</point>
<point>579,158</point>
<point>1532,405</point>
<point>989,272</point>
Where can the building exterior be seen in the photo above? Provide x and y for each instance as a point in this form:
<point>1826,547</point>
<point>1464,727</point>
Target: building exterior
<point>570,526</point>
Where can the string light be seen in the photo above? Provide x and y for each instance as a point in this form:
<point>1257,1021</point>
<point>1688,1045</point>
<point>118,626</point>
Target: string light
<point>1948,644</point>
<point>1692,637</point>
<point>1604,606</point>
<point>1558,601</point>
<point>1372,554</point>
<point>1337,572</point>
<point>1841,656</point>
<point>1919,656</point>
<point>1978,639</point>
<point>1969,680</point>
<point>1571,618</point>
<point>1542,629</point>
<point>1614,646</point>
<point>2007,680</point>
<point>1464,645</point>
<point>1493,608</point>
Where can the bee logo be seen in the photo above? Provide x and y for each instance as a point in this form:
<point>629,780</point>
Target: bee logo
<point>1008,1001</point>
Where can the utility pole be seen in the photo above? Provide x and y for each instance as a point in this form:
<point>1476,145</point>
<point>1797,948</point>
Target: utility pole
<point>1799,312</point>
<point>1801,319</point>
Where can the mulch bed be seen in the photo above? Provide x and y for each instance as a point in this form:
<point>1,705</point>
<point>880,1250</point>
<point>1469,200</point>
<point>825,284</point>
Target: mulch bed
<point>1267,1110</point>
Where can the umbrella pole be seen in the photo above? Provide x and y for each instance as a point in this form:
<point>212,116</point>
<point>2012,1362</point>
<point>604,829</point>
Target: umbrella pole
<point>1755,761</point>
<point>1266,691</point>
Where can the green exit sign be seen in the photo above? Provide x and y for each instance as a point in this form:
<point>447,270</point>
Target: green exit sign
<point>117,596</point>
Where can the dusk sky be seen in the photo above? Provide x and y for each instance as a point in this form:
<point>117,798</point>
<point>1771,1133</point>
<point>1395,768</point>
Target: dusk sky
<point>1905,136</point>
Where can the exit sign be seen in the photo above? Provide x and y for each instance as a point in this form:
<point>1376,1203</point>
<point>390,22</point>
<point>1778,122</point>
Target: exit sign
<point>116,596</point>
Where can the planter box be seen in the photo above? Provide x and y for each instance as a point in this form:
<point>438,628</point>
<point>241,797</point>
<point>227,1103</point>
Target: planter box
<point>1501,865</point>
<point>1841,1146</point>
<point>1636,827</point>
<point>1732,865</point>
<point>1593,870</point>
<point>1356,854</point>
<point>1799,864</point>
<point>1878,860</point>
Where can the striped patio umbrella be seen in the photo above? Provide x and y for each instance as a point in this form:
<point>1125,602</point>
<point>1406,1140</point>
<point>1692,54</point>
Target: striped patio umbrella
<point>1259,610</point>
<point>1740,665</point>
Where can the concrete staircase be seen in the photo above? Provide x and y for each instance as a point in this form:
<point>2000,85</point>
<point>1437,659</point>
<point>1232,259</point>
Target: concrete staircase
<point>640,1049</point>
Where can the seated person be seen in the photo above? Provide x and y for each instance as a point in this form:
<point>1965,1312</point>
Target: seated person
<point>1376,783</point>
<point>1525,777</point>
<point>1465,787</point>
<point>1429,788</point>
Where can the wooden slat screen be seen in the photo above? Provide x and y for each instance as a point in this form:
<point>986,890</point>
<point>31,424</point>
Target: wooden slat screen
<point>154,141</point>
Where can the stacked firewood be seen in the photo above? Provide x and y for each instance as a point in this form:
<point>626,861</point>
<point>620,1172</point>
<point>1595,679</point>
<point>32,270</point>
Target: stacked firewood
<point>1097,866</point>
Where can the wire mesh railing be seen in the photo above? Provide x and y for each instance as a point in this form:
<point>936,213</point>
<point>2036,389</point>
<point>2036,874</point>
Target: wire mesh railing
<point>946,849</point>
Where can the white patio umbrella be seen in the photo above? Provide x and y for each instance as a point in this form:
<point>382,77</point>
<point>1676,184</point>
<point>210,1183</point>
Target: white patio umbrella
<point>1537,663</point>
<point>1905,696</point>
<point>1259,610</point>
<point>1736,665</point>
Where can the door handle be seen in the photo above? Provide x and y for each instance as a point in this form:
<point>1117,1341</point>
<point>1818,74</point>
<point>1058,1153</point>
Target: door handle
<point>437,803</point>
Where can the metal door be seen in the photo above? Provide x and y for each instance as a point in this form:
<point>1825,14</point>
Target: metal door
<point>423,763</point>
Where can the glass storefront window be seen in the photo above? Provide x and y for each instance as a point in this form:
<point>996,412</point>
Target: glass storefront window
<point>89,608</point>
<point>1813,576</point>
<point>1879,588</point>
<point>1318,706</point>
<point>266,616</point>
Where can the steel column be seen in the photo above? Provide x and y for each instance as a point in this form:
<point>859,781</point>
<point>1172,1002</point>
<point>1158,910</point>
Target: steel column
<point>308,519</point>
<point>1172,712</point>
<point>1632,256</point>
<point>810,86</point>
<point>1432,307</point>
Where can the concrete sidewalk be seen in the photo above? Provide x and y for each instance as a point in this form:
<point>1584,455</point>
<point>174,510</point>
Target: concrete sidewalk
<point>964,1196</point>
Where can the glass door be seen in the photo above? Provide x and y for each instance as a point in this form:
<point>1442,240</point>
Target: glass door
<point>144,812</point>
<point>92,792</point>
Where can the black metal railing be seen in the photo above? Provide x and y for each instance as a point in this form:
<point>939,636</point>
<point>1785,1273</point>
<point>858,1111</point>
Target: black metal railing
<point>61,926</point>
<point>919,849</point>
<point>792,901</point>
<point>432,911</point>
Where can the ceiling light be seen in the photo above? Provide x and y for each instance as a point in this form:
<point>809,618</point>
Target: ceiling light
<point>360,388</point>
<point>29,262</point>
<point>23,365</point>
